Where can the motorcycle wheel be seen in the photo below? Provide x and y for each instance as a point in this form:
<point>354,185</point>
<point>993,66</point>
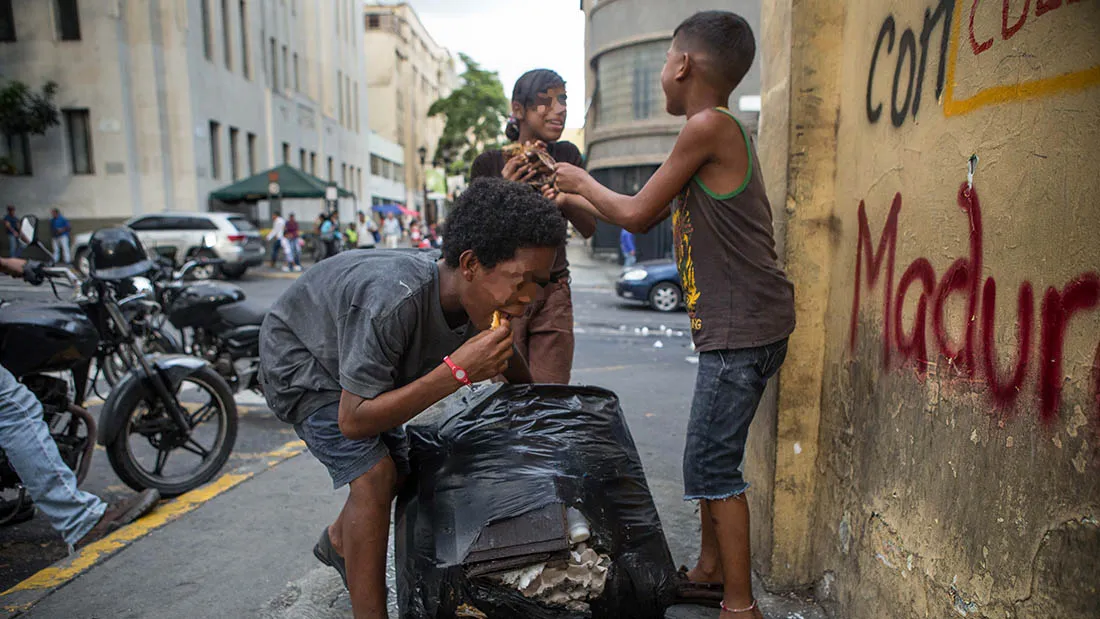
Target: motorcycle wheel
<point>116,365</point>
<point>143,450</point>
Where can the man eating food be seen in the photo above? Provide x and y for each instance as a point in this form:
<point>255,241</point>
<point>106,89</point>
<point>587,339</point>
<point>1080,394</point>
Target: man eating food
<point>365,341</point>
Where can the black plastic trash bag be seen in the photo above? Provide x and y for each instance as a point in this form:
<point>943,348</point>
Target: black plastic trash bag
<point>503,452</point>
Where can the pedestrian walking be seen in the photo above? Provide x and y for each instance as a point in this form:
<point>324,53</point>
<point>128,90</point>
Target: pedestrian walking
<point>545,335</point>
<point>60,229</point>
<point>327,232</point>
<point>364,230</point>
<point>739,301</point>
<point>277,237</point>
<point>415,236</point>
<point>626,245</point>
<point>293,241</point>
<point>352,236</point>
<point>11,226</point>
<point>391,231</point>
<point>364,342</point>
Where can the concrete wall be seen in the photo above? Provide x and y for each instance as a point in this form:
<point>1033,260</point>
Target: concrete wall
<point>936,442</point>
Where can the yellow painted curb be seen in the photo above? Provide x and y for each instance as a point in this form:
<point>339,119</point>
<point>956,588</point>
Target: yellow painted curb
<point>46,580</point>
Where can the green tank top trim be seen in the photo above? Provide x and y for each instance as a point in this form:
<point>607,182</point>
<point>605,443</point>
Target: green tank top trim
<point>748,173</point>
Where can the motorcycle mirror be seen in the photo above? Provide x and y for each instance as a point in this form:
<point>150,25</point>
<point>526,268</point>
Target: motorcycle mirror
<point>28,229</point>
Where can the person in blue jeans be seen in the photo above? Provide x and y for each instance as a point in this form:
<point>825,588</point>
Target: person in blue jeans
<point>80,517</point>
<point>626,245</point>
<point>11,226</point>
<point>60,229</point>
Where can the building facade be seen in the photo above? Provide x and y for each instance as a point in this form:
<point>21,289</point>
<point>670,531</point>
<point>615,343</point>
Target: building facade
<point>387,172</point>
<point>628,133</point>
<point>406,72</point>
<point>166,100</point>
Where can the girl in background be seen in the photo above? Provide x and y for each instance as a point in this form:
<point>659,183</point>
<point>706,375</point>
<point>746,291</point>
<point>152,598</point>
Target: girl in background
<point>544,336</point>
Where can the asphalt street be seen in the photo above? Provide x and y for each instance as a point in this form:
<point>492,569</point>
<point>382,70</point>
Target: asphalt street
<point>247,551</point>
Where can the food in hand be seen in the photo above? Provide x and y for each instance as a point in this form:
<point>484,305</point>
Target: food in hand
<point>496,320</point>
<point>534,154</point>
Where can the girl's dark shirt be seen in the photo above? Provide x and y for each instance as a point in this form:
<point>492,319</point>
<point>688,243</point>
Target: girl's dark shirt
<point>491,164</point>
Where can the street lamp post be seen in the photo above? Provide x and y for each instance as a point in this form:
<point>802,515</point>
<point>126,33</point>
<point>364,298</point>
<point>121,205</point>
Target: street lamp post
<point>423,152</point>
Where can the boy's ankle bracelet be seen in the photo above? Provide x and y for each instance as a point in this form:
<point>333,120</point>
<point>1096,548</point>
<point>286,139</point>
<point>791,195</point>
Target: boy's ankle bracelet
<point>738,610</point>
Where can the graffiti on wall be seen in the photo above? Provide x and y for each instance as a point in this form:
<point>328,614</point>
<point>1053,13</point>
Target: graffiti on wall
<point>906,342</point>
<point>979,29</point>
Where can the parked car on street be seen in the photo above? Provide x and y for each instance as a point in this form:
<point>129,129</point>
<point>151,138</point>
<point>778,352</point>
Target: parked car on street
<point>182,236</point>
<point>654,282</point>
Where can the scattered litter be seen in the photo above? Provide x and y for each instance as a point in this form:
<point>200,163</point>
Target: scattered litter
<point>645,330</point>
<point>570,583</point>
<point>663,327</point>
<point>637,330</point>
<point>658,344</point>
<point>692,359</point>
<point>622,327</point>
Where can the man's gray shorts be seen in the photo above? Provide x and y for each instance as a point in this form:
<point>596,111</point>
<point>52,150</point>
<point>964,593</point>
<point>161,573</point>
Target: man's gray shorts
<point>347,459</point>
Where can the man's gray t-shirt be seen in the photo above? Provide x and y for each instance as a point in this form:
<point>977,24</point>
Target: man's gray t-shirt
<point>365,321</point>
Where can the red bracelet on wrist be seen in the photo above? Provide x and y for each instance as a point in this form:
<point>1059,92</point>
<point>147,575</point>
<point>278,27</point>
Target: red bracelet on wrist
<point>458,372</point>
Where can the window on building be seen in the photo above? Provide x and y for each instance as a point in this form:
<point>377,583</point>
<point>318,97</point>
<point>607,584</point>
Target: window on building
<point>373,22</point>
<point>297,84</point>
<point>227,36</point>
<point>234,160</point>
<point>274,65</point>
<point>302,159</point>
<point>7,22</point>
<point>215,150</point>
<point>340,96</point>
<point>207,42</point>
<point>344,175</point>
<point>628,83</point>
<point>359,181</point>
<point>78,125</point>
<point>387,169</point>
<point>355,106</point>
<point>251,154</point>
<point>246,65</point>
<point>313,163</point>
<point>347,95</point>
<point>286,68</point>
<point>331,170</point>
<point>68,20</point>
<point>17,151</point>
<point>286,153</point>
<point>399,172</point>
<point>375,165</point>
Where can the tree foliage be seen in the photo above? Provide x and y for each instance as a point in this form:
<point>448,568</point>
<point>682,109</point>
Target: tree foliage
<point>24,111</point>
<point>474,114</point>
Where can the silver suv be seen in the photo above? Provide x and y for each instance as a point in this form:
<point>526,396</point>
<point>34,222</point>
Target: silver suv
<point>180,236</point>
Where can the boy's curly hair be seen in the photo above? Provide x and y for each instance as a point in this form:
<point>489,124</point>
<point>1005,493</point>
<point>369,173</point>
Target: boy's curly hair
<point>494,217</point>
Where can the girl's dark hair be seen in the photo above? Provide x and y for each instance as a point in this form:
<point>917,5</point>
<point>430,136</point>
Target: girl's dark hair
<point>526,91</point>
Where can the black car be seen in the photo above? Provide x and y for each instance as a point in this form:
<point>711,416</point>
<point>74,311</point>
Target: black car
<point>654,282</point>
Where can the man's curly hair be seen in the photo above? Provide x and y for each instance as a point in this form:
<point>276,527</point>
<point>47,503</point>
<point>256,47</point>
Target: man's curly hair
<point>494,217</point>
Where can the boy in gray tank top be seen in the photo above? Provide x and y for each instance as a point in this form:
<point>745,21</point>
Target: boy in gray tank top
<point>738,299</point>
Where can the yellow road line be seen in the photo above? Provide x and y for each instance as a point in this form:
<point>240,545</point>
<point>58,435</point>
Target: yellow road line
<point>57,575</point>
<point>608,368</point>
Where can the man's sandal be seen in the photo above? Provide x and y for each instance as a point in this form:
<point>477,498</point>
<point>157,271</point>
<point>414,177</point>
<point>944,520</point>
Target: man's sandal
<point>701,593</point>
<point>326,554</point>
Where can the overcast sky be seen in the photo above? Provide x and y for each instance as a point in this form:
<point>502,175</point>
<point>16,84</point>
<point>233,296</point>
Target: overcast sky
<point>501,35</point>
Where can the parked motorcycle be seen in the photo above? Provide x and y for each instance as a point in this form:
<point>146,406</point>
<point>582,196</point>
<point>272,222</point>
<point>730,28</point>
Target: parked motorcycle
<point>214,322</point>
<point>170,422</point>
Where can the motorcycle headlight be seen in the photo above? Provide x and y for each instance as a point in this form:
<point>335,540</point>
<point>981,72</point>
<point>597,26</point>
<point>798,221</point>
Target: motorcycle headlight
<point>635,275</point>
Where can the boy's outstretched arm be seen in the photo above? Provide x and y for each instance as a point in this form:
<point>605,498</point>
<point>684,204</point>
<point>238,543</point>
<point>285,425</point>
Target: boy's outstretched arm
<point>638,213</point>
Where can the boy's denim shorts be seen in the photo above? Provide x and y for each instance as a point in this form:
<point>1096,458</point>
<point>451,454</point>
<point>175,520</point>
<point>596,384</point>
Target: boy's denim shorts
<point>347,459</point>
<point>728,389</point>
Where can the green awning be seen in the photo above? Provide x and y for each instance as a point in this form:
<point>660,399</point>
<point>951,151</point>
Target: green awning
<point>293,183</point>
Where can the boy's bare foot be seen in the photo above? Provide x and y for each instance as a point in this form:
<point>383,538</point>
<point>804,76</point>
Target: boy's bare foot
<point>701,574</point>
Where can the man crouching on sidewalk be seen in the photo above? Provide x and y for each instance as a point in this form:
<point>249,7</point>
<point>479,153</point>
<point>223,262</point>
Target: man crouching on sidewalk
<point>365,341</point>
